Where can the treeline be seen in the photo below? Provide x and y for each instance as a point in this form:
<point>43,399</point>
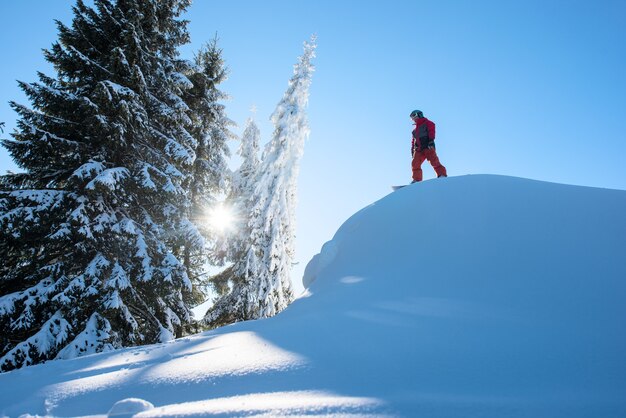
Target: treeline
<point>104,238</point>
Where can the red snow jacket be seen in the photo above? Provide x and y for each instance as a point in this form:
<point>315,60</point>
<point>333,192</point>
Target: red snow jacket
<point>423,135</point>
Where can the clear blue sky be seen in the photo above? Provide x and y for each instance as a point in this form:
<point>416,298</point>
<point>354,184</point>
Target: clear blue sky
<point>535,89</point>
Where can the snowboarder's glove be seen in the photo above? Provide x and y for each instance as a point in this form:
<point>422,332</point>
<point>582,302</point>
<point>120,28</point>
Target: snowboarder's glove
<point>431,145</point>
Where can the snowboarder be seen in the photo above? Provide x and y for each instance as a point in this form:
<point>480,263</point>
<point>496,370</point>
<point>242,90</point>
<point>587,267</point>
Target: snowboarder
<point>423,146</point>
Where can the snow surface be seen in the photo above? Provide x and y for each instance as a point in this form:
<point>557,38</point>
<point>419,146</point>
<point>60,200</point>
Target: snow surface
<point>467,296</point>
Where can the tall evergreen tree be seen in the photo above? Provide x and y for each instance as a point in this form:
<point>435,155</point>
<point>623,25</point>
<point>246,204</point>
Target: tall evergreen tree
<point>210,173</point>
<point>228,284</point>
<point>263,284</point>
<point>239,200</point>
<point>89,231</point>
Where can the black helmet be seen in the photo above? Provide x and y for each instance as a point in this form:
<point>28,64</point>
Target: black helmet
<point>416,114</point>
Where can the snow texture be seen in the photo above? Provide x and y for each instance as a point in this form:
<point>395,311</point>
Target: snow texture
<point>129,407</point>
<point>319,262</point>
<point>480,295</point>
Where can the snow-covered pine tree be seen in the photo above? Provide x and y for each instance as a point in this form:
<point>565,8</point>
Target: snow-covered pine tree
<point>211,175</point>
<point>239,197</point>
<point>249,152</point>
<point>228,284</point>
<point>263,286</point>
<point>87,231</point>
<point>243,186</point>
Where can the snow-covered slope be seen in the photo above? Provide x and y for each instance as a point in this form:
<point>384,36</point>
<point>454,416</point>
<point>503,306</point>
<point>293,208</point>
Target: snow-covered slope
<point>470,296</point>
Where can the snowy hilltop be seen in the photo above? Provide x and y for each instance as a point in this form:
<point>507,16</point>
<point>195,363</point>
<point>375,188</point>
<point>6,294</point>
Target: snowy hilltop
<point>465,296</point>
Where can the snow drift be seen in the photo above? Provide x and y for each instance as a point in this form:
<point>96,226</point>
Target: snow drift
<point>475,295</point>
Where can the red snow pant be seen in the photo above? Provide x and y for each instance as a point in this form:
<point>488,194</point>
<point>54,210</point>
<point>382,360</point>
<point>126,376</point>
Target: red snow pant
<point>431,156</point>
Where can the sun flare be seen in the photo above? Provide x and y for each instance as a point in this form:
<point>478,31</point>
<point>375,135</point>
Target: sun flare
<point>221,218</point>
